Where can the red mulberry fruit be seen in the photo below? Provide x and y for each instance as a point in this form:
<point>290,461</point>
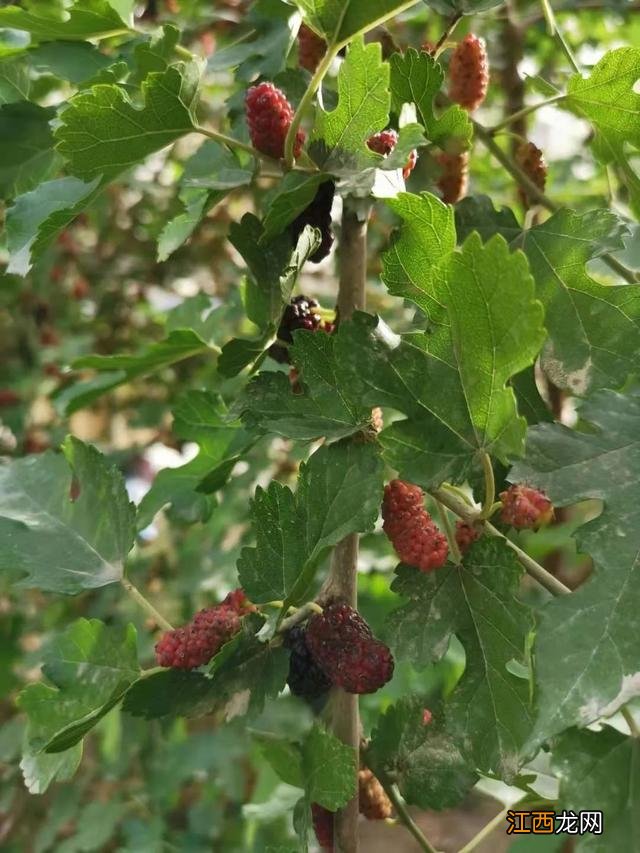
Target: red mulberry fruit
<point>529,158</point>
<point>269,116</point>
<point>311,48</point>
<point>373,802</point>
<point>301,313</point>
<point>469,73</point>
<point>384,143</point>
<point>318,215</point>
<point>427,716</point>
<point>466,535</point>
<point>454,176</point>
<point>523,506</point>
<point>342,644</point>
<point>238,601</point>
<point>410,528</point>
<point>306,679</point>
<point>323,825</point>
<point>195,643</point>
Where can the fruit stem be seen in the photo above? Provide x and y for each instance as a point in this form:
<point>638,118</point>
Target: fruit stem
<point>544,578</point>
<point>404,817</point>
<point>139,598</point>
<point>300,614</point>
<point>441,44</point>
<point>450,533</point>
<point>486,830</point>
<point>525,111</point>
<point>489,486</point>
<point>312,88</point>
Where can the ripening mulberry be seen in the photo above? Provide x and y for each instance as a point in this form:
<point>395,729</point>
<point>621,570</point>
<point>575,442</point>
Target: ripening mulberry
<point>469,73</point>
<point>523,507</point>
<point>301,313</point>
<point>311,48</point>
<point>454,176</point>
<point>195,643</point>
<point>238,601</point>
<point>373,802</point>
<point>343,645</point>
<point>427,716</point>
<point>306,678</point>
<point>410,528</point>
<point>466,535</point>
<point>529,158</point>
<point>318,215</point>
<point>384,143</point>
<point>323,825</point>
<point>269,116</point>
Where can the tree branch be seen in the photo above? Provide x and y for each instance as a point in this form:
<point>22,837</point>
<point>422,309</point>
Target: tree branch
<point>139,598</point>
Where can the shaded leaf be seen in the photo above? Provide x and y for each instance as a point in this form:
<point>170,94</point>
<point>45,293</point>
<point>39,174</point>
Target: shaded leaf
<point>83,20</point>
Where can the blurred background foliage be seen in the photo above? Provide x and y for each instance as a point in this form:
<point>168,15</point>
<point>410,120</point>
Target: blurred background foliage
<point>187,785</point>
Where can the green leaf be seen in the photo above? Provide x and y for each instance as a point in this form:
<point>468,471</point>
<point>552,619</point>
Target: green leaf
<point>338,141</point>
<point>209,176</point>
<point>91,666</point>
<point>530,403</point>
<point>84,19</point>
<point>341,20</point>
<point>599,770</point>
<point>597,671</point>
<point>115,370</point>
<point>417,78</point>
<point>293,195</point>
<point>270,404</point>
<point>102,133</point>
<point>156,54</point>
<point>608,100</point>
<point>329,769</point>
<point>199,416</point>
<point>76,62</point>
<point>58,543</point>
<point>251,673</point>
<point>489,710</point>
<point>594,338</point>
<point>15,81</point>
<point>38,216</point>
<point>466,7</point>
<point>284,757</point>
<point>40,769</point>
<point>26,147</point>
<point>238,353</point>
<point>428,764</point>
<point>339,492</point>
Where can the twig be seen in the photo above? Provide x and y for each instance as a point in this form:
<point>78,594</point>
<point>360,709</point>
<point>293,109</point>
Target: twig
<point>554,30</point>
<point>494,823</point>
<point>489,486</point>
<point>404,817</point>
<point>139,598</point>
<point>544,578</point>
<point>525,111</point>
<point>484,135</point>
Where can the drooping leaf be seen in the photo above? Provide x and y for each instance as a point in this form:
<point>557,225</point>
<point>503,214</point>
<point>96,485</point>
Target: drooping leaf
<point>329,769</point>
<point>115,370</point>
<point>51,531</point>
<point>201,417</point>
<point>101,132</point>
<point>209,176</point>
<point>594,329</point>
<point>428,764</point>
<point>40,769</point>
<point>338,141</point>
<point>26,147</point>
<point>15,80</point>
<point>90,667</point>
<point>339,492</point>
<point>489,710</point>
<point>83,19</point>
<point>251,672</point>
<point>417,78</point>
<point>599,770</point>
<point>38,216</point>
<point>597,671</point>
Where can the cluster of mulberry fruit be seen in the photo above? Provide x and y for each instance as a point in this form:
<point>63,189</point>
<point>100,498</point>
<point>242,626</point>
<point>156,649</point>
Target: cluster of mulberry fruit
<point>301,313</point>
<point>311,48</point>
<point>530,159</point>
<point>195,643</point>
<point>384,143</point>
<point>524,507</point>
<point>469,73</point>
<point>466,535</point>
<point>410,528</point>
<point>343,646</point>
<point>269,116</point>
<point>306,678</point>
<point>453,180</point>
